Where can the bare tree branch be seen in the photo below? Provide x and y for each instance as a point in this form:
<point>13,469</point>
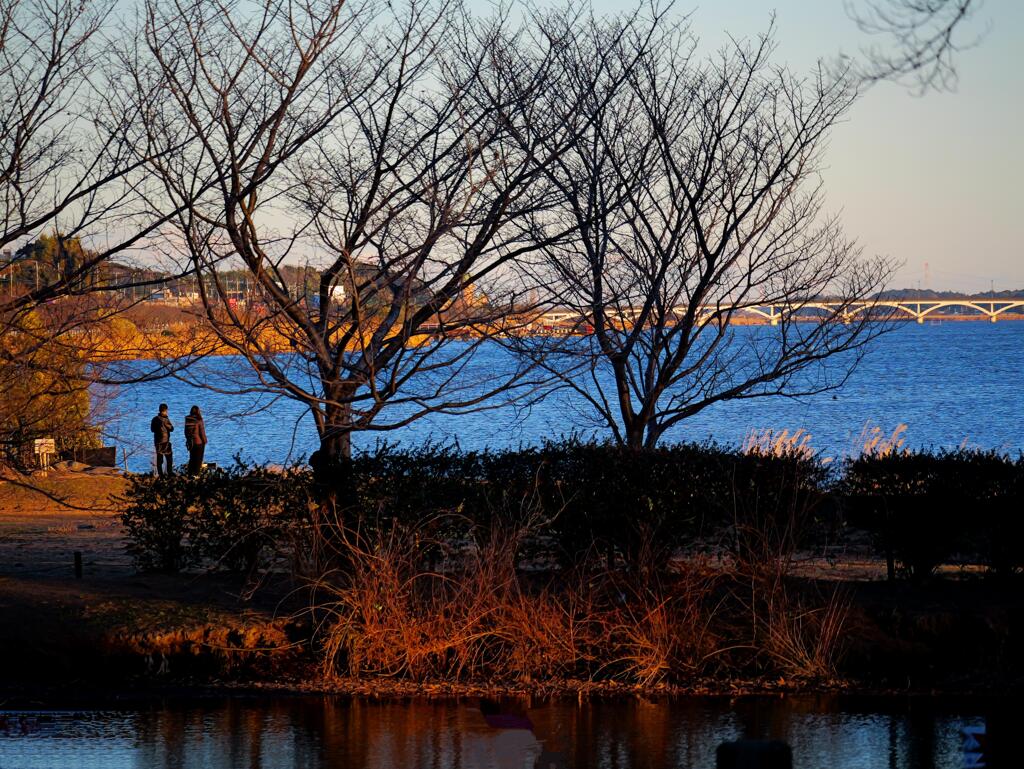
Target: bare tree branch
<point>694,196</point>
<point>377,172</point>
<point>921,39</point>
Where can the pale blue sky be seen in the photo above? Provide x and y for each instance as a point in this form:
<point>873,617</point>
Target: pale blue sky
<point>934,178</point>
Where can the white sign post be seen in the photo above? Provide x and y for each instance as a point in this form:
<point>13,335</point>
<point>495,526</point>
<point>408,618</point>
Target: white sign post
<point>44,449</point>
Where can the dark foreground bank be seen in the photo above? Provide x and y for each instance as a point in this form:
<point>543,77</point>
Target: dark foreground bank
<point>68,642</point>
<point>569,567</point>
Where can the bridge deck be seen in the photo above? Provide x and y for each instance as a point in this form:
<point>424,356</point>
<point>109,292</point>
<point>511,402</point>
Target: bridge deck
<point>912,309</point>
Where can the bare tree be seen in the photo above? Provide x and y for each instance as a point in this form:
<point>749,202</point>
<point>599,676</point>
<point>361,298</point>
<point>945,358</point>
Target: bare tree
<point>379,172</point>
<point>694,195</point>
<point>70,160</point>
<point>922,38</point>
<point>72,197</point>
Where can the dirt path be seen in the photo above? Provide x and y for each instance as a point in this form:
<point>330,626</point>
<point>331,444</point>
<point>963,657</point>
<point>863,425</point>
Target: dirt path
<point>115,626</point>
<point>42,527</point>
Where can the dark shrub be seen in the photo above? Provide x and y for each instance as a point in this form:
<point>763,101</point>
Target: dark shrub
<point>227,517</point>
<point>244,513</point>
<point>998,493</point>
<point>430,490</point>
<point>607,499</point>
<point>159,517</point>
<point>922,509</point>
<point>574,500</point>
<point>772,504</point>
<point>578,499</point>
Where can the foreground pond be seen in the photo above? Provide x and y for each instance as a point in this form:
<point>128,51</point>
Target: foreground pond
<point>311,732</point>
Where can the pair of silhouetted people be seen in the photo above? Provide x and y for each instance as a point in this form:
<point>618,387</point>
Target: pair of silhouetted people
<point>195,440</point>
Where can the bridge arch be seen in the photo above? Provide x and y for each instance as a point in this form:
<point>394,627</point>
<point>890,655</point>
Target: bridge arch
<point>818,309</point>
<point>1014,305</point>
<point>854,311</point>
<point>943,305</point>
<point>758,311</point>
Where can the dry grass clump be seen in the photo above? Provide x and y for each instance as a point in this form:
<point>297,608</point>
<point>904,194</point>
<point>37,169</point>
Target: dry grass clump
<point>875,443</point>
<point>482,619</point>
<point>222,645</point>
<point>661,632</point>
<point>549,634</point>
<point>779,443</point>
<point>387,617</point>
<point>872,441</point>
<point>393,608</point>
<point>476,619</point>
<point>803,636</point>
<point>795,630</point>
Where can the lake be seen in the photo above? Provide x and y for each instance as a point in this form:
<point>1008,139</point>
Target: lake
<point>824,732</point>
<point>950,383</point>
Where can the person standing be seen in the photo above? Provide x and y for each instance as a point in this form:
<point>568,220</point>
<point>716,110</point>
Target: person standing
<point>162,429</point>
<point>195,440</point>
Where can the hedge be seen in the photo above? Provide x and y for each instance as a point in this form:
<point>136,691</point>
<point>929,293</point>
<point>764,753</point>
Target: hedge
<point>582,502</point>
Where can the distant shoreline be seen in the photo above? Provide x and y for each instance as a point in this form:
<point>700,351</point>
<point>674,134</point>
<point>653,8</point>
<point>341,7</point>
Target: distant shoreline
<point>179,340</point>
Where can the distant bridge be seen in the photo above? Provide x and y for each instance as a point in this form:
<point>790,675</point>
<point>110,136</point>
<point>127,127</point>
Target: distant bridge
<point>915,309</point>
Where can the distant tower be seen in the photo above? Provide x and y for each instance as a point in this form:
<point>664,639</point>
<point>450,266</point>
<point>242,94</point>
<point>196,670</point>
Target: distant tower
<point>927,277</point>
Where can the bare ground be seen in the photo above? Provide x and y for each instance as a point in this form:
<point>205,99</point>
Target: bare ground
<point>114,626</point>
<point>44,520</point>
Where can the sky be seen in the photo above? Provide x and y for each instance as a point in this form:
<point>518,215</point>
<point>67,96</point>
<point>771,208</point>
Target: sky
<point>934,179</point>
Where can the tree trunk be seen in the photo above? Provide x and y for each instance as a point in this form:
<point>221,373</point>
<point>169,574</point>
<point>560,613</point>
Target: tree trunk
<point>336,443</point>
<point>334,487</point>
<point>654,433</point>
<point>634,434</point>
<point>336,430</point>
<point>331,463</point>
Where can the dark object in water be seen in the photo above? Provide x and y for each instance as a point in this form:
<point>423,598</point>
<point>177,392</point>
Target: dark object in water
<point>754,754</point>
<point>498,717</point>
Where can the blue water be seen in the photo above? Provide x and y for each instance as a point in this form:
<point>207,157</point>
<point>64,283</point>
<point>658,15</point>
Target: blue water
<point>950,383</point>
<point>317,733</point>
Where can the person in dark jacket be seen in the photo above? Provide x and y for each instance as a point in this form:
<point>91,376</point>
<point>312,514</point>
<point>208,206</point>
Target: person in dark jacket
<point>195,440</point>
<point>162,429</point>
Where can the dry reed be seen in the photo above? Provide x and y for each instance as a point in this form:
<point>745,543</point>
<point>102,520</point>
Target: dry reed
<point>804,637</point>
<point>479,617</point>
<point>873,442</point>
<point>781,443</point>
<point>482,619</point>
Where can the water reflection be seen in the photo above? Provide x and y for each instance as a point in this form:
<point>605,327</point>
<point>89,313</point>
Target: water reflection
<point>364,734</point>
